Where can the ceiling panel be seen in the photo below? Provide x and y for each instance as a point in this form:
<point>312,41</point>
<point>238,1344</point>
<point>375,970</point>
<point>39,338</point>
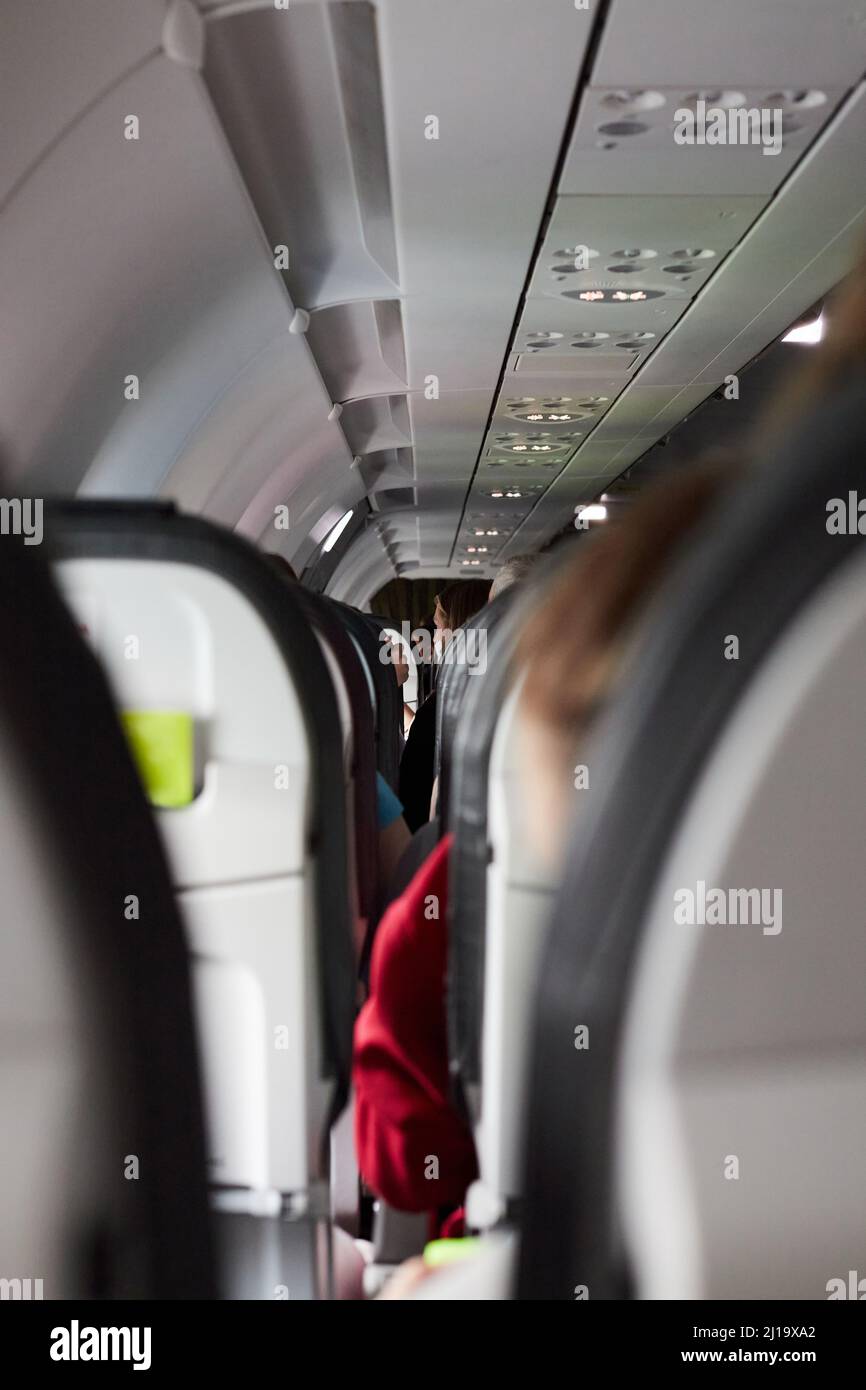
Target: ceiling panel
<point>56,59</point>
<point>670,265</point>
<point>624,140</point>
<point>664,42</point>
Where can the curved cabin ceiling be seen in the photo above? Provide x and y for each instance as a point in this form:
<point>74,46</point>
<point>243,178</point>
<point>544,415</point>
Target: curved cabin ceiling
<point>338,264</point>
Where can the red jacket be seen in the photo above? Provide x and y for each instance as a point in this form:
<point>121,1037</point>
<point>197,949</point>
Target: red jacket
<point>413,1149</point>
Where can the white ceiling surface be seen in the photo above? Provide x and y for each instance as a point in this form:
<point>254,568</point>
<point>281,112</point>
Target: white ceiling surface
<point>121,257</point>
<point>154,257</point>
<point>409,255</point>
<point>783,229</point>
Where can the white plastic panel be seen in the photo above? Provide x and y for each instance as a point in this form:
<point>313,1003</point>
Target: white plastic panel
<point>203,650</point>
<point>258,1032</point>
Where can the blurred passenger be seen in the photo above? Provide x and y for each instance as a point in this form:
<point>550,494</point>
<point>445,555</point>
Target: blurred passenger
<point>280,563</point>
<point>413,1148</point>
<point>393,831</point>
<point>455,605</point>
<point>512,572</point>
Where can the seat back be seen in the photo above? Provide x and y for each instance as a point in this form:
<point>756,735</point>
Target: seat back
<point>467,911</point>
<point>186,617</point>
<point>758,565</point>
<point>468,744</point>
<point>101,1116</point>
<point>370,635</point>
<point>469,663</point>
<point>362,768</point>
<point>742,1085</point>
<point>518,899</point>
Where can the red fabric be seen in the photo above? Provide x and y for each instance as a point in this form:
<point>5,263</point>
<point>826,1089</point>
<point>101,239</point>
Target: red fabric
<point>403,1116</point>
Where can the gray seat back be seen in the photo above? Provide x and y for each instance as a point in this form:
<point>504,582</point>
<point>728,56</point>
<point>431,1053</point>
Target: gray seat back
<point>101,1117</point>
<point>765,557</point>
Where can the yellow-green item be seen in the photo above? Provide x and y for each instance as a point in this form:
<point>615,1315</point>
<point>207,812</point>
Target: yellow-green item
<point>448,1252</point>
<point>162,745</point>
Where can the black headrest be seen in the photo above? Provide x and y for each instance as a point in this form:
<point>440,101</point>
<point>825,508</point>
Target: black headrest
<point>754,566</point>
<point>324,617</point>
<point>367,632</point>
<point>454,678</point>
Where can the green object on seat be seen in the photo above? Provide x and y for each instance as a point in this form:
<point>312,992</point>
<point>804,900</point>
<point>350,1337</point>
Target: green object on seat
<point>449,1252</point>
<point>162,745</point>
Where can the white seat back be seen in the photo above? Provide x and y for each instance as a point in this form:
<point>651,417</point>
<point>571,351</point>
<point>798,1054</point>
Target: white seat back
<point>518,904</point>
<point>173,637</point>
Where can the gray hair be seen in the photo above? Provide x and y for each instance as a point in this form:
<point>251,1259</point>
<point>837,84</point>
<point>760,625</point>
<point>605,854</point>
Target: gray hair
<point>512,572</point>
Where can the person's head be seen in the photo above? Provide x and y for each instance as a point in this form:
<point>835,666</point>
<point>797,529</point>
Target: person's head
<point>457,602</point>
<point>570,647</point>
<point>514,571</point>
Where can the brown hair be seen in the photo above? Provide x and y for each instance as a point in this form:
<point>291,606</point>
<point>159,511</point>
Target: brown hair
<point>461,600</point>
<point>279,562</point>
<point>567,646</point>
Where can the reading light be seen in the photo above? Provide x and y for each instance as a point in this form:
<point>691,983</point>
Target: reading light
<point>806,332</point>
<point>594,512</point>
<point>336,531</point>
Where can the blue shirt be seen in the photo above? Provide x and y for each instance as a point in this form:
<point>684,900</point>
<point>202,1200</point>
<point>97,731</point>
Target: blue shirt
<point>388,806</point>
